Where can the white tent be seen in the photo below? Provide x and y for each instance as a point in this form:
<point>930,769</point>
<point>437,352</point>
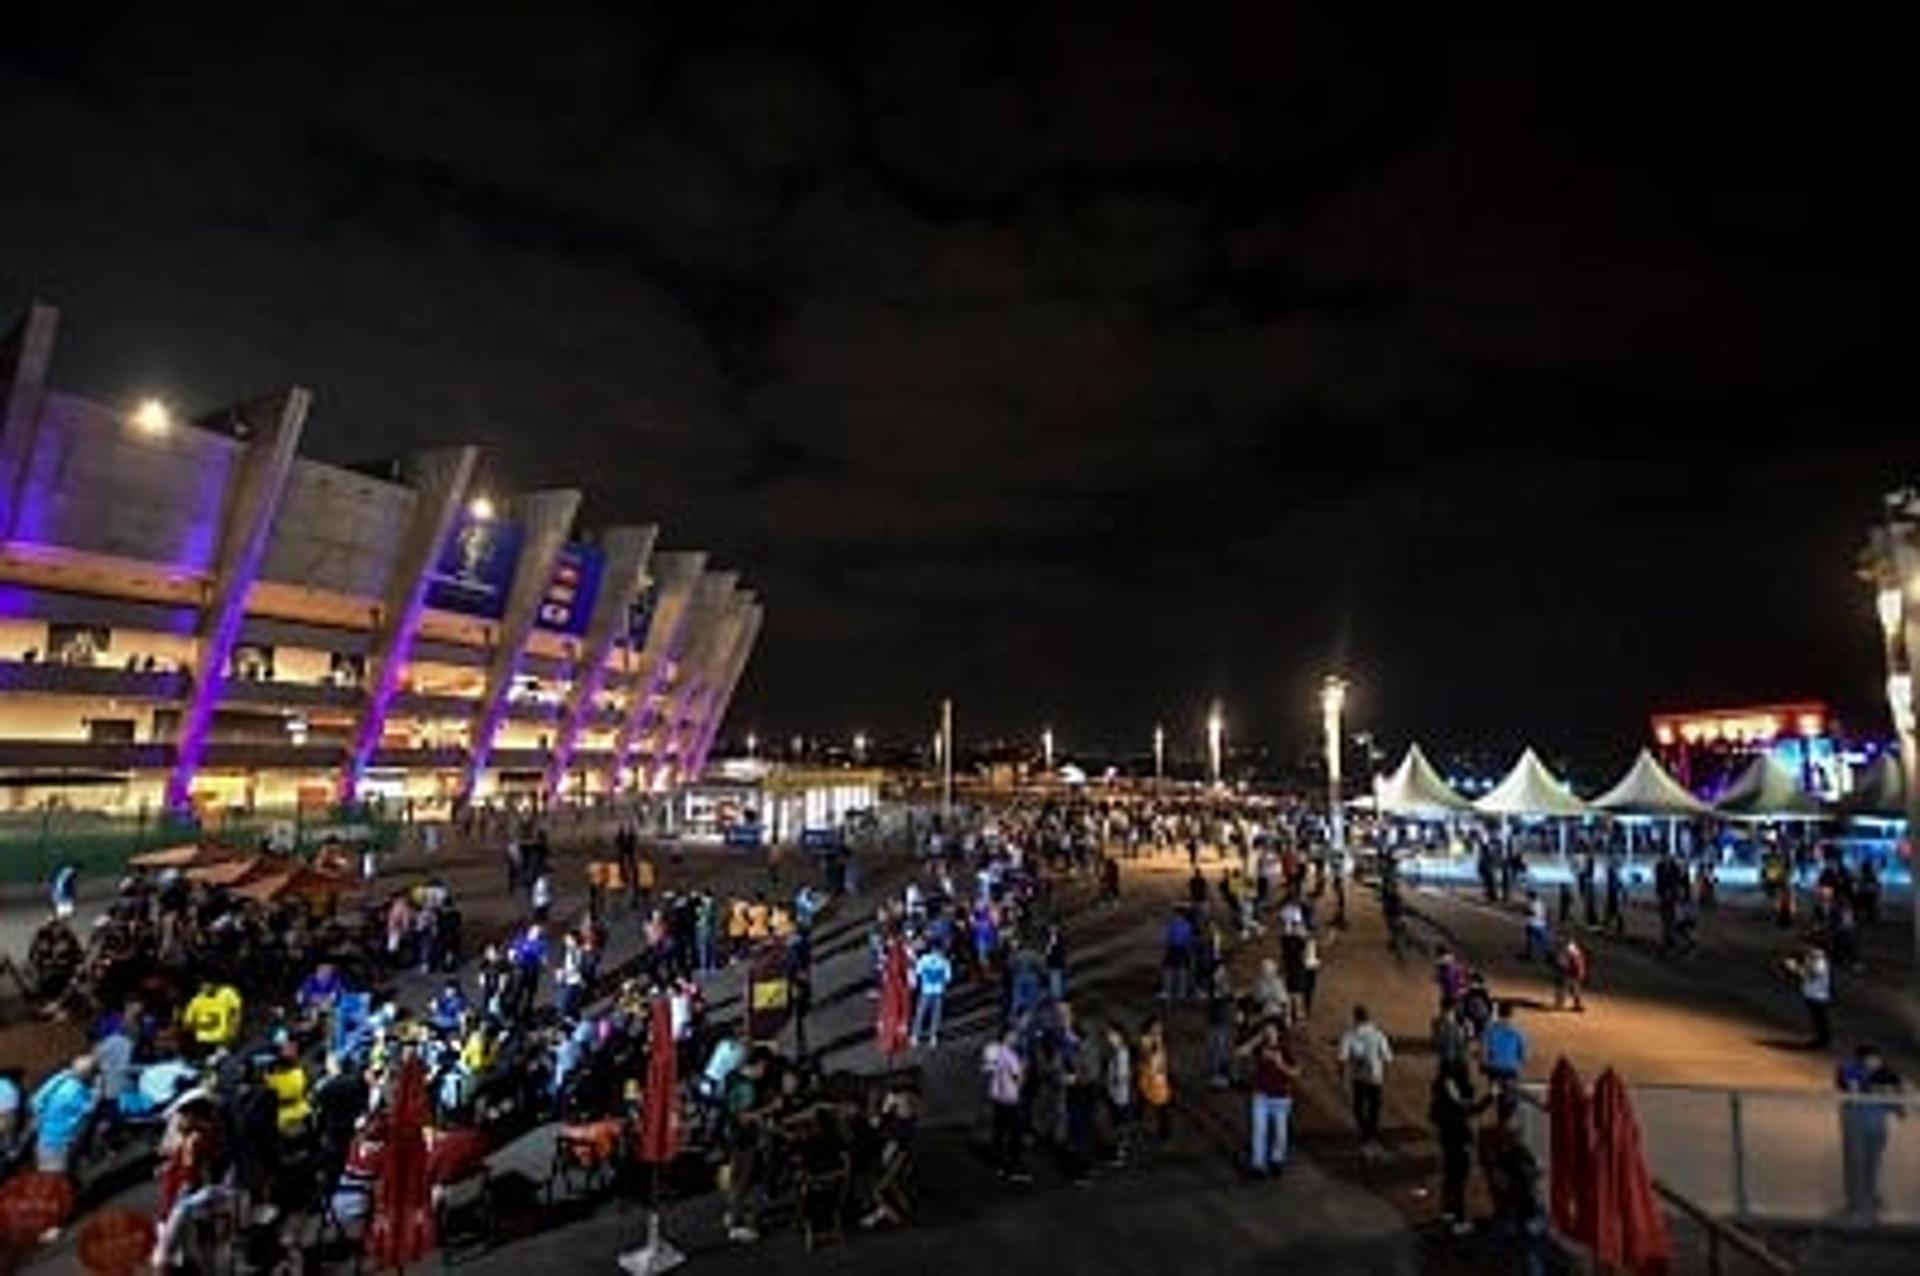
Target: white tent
<point>1767,791</point>
<point>1531,790</point>
<point>1646,789</point>
<point>1880,791</point>
<point>1416,791</point>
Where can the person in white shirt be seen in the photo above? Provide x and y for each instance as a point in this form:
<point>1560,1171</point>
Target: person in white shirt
<point>1365,1053</point>
<point>1006,1073</point>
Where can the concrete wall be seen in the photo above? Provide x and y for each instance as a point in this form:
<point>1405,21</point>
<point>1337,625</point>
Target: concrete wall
<point>97,483</point>
<point>337,530</point>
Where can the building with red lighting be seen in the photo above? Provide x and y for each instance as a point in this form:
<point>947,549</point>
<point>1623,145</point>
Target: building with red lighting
<point>1706,748</point>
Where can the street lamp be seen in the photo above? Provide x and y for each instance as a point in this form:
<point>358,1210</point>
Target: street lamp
<point>1333,698</point>
<point>1159,754</point>
<point>753,745</point>
<point>1216,732</point>
<point>1892,564</point>
<point>859,746</point>
<point>1046,749</point>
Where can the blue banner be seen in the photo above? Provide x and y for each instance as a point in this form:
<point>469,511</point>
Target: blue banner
<point>475,569</point>
<point>568,604</point>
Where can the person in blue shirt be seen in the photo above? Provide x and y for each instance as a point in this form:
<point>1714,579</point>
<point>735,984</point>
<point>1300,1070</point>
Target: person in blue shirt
<point>932,973</point>
<point>1503,1051</point>
<point>448,1008</point>
<point>61,1107</point>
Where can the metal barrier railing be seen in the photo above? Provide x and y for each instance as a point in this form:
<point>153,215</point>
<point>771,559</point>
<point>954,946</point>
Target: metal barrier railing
<point>1802,1158</point>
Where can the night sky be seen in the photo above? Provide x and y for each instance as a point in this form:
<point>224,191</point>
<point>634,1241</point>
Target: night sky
<point>1533,365</point>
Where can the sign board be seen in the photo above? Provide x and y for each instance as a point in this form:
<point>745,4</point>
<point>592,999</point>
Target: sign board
<point>750,836</point>
<point>567,605</point>
<point>474,572</point>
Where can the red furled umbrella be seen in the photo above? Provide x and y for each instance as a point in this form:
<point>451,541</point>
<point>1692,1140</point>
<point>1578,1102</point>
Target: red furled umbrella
<point>895,1018</point>
<point>659,1132</point>
<point>1630,1228</point>
<point>1570,1177</point>
<point>33,1202</point>
<point>116,1242</point>
<point>401,1231</point>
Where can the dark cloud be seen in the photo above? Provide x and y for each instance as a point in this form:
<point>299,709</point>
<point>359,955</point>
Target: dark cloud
<point>1087,360</point>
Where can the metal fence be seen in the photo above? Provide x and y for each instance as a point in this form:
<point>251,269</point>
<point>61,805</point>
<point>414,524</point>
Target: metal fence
<point>1777,1157</point>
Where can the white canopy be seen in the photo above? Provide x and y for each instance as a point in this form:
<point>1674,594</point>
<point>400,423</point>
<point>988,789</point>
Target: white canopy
<point>1647,789</point>
<point>1416,791</point>
<point>1767,791</point>
<point>1530,789</point>
<point>1880,791</point>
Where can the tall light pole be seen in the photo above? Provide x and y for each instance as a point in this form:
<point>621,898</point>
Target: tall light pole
<point>1159,755</point>
<point>1046,749</point>
<point>753,745</point>
<point>1333,698</point>
<point>1892,563</point>
<point>1216,734</point>
<point>945,741</point>
<point>859,746</point>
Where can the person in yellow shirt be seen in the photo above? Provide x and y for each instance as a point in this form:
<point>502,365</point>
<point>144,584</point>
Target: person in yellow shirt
<point>213,1016</point>
<point>288,1081</point>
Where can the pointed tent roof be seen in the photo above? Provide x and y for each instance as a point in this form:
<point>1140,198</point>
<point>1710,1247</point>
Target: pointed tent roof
<point>1767,791</point>
<point>1880,791</point>
<point>1647,789</point>
<point>1415,790</point>
<point>1530,789</point>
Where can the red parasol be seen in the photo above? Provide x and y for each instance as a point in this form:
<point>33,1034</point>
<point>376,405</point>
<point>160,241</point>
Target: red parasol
<point>31,1203</point>
<point>1630,1228</point>
<point>1570,1178</point>
<point>659,1132</point>
<point>402,1228</point>
<point>895,1018</point>
<point>116,1242</point>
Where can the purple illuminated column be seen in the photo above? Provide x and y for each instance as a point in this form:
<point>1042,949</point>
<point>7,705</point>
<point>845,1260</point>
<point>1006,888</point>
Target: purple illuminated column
<point>545,518</point>
<point>627,551</point>
<point>273,425</point>
<point>24,359</point>
<point>681,681</point>
<point>677,576</point>
<point>736,666</point>
<point>440,480</point>
<point>709,671</point>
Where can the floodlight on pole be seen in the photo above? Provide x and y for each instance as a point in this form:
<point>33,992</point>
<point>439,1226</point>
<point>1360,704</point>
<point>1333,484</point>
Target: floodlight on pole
<point>1159,753</point>
<point>1216,736</point>
<point>1046,749</point>
<point>859,746</point>
<point>1333,699</point>
<point>753,745</point>
<point>153,416</point>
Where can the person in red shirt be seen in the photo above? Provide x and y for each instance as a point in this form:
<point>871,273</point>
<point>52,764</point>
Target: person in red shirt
<point>1274,1070</point>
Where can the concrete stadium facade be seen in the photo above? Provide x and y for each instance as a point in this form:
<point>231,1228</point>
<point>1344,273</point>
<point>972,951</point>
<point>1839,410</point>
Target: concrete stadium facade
<point>193,613</point>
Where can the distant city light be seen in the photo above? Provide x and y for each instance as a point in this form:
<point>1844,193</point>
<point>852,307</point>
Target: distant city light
<point>153,416</point>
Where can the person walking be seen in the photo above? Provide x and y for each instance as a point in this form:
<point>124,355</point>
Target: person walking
<point>1537,948</point>
<point>1271,1106</point>
<point>1005,1068</point>
<point>1503,1051</point>
<point>1815,975</point>
<point>1117,1081</point>
<point>1156,1085</point>
<point>1365,1053</point>
<point>1569,975</point>
<point>1871,1098</point>
<point>932,974</point>
<point>1451,1106</point>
